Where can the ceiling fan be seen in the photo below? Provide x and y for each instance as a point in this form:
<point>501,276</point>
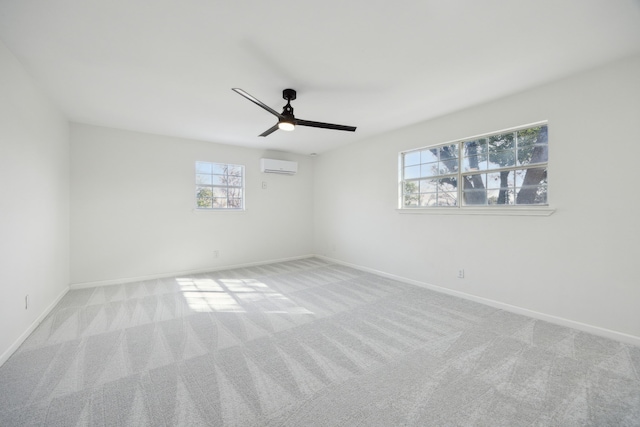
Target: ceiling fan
<point>286,119</point>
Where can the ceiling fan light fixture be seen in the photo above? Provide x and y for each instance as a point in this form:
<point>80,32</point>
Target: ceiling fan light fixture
<point>286,125</point>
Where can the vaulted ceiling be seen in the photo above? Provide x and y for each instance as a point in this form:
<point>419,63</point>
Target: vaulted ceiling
<point>167,67</point>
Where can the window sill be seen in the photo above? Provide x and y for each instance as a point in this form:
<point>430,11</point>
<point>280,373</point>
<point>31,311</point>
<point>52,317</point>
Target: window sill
<point>506,211</point>
<point>217,211</point>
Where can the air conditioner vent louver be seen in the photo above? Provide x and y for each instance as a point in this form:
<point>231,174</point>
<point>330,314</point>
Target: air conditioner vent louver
<point>278,166</point>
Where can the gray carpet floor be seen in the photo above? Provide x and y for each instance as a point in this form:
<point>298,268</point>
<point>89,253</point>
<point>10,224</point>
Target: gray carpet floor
<point>308,343</point>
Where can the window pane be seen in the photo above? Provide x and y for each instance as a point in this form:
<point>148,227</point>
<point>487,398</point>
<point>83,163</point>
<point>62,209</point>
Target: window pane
<point>203,197</point>
<point>501,158</point>
<point>493,180</point>
<point>429,156</point>
<point>204,192</point>
<point>438,192</point>
<point>235,170</point>
<point>448,184</point>
<point>235,203</point>
<point>220,169</point>
<point>533,146</point>
<point>475,181</point>
<point>532,186</point>
<point>411,200</point>
<point>220,179</point>
<point>475,189</point>
<point>412,158</point>
<point>203,179</point>
<point>501,196</point>
<point>219,203</point>
<point>411,187</point>
<point>449,158</point>
<point>477,146</point>
<point>205,203</point>
<point>531,176</point>
<point>532,195</point>
<point>497,180</point>
<point>448,199</point>
<point>411,195</point>
<point>203,167</point>
<point>501,142</point>
<point>428,185</point>
<point>429,199</point>
<point>448,152</point>
<point>235,193</point>
<point>475,197</point>
<point>234,181</point>
<point>500,150</point>
<point>220,192</point>
<point>474,163</point>
<point>412,172</point>
<point>475,155</point>
<point>449,166</point>
<point>430,169</point>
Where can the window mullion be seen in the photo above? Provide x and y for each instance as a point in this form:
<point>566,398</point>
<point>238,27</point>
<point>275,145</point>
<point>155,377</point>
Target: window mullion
<point>505,169</point>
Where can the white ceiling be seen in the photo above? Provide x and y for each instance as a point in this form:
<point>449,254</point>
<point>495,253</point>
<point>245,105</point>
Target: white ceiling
<point>167,66</point>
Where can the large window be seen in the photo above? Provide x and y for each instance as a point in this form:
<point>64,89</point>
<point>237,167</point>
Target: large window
<point>219,186</point>
<point>506,168</point>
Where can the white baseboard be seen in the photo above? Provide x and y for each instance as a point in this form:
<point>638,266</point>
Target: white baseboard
<point>119,281</point>
<point>595,330</point>
<point>17,343</point>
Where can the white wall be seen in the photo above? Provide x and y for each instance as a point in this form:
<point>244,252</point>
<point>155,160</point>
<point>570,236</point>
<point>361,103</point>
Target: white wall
<point>132,207</point>
<point>34,204</point>
<point>132,215</point>
<point>579,264</point>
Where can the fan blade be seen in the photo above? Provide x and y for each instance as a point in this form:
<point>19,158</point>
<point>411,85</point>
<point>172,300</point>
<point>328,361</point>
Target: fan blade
<point>270,130</point>
<point>257,101</point>
<point>324,125</point>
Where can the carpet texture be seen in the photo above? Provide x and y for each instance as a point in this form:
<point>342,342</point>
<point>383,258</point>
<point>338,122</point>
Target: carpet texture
<point>308,343</point>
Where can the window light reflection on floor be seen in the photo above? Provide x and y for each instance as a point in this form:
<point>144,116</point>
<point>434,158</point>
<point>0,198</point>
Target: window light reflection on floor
<point>235,295</point>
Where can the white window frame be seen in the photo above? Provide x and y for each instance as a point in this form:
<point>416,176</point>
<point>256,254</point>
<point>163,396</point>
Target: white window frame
<point>460,208</point>
<point>213,184</point>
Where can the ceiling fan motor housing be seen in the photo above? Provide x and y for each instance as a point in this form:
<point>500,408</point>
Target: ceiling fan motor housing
<point>289,94</point>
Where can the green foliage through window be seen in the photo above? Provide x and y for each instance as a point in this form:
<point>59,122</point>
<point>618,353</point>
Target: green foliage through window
<point>507,168</point>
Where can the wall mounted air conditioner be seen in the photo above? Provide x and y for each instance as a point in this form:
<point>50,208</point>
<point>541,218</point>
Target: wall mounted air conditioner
<point>278,166</point>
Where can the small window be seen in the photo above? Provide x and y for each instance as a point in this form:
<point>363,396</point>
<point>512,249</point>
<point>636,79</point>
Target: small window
<point>501,169</point>
<point>219,186</point>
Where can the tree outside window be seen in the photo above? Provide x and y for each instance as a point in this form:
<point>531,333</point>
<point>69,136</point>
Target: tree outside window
<point>507,168</point>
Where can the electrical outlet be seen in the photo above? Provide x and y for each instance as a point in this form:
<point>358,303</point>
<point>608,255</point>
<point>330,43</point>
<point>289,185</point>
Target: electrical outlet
<point>216,254</point>
<point>264,185</point>
<point>461,273</point>
<point>26,302</point>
